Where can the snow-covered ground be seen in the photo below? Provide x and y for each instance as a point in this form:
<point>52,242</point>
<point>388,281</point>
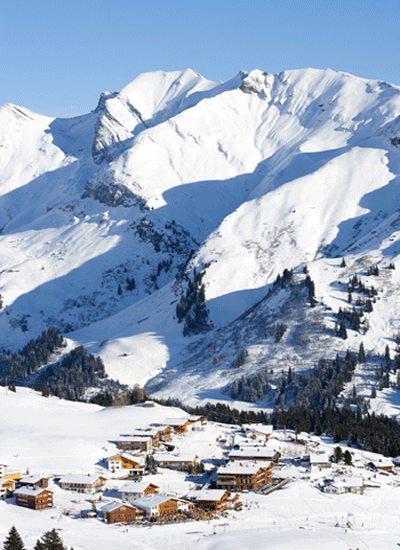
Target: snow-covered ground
<point>52,437</point>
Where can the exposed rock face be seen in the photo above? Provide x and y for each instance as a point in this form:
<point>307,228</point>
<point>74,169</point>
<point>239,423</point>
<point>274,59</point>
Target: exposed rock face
<point>257,82</point>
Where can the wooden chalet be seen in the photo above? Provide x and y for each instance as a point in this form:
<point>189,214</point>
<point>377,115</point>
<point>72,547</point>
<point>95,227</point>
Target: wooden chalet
<point>34,481</point>
<point>7,486</point>
<point>12,474</point>
<point>161,506</point>
<point>180,426</point>
<point>35,498</point>
<point>80,483</point>
<point>384,464</point>
<point>261,431</point>
<point>214,499</point>
<point>125,462</point>
<point>255,453</point>
<point>197,422</point>
<point>132,490</point>
<point>121,512</point>
<point>244,476</point>
<point>142,443</point>
<point>181,462</point>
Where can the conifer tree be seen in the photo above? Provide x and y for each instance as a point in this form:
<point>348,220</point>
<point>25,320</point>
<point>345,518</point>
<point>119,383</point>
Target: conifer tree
<point>361,353</point>
<point>51,540</point>
<point>13,540</point>
<point>343,264</point>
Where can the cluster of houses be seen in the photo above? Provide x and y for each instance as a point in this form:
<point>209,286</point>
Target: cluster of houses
<point>249,467</point>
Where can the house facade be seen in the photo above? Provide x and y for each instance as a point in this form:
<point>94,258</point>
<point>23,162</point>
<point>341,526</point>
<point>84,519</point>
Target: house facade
<point>163,506</point>
<point>89,484</point>
<point>34,481</point>
<point>244,476</point>
<point>125,462</point>
<point>121,513</point>
<point>133,490</point>
<point>7,486</point>
<point>141,443</point>
<point>183,462</point>
<point>34,498</point>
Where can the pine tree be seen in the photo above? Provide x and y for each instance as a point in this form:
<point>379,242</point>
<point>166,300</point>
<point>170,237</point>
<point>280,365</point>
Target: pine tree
<point>51,540</point>
<point>13,540</point>
<point>347,457</point>
<point>361,353</point>
<point>119,290</point>
<point>338,455</point>
<point>343,264</point>
<point>38,545</point>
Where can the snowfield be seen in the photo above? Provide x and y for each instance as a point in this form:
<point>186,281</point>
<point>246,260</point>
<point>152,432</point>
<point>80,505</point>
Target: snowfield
<point>54,437</point>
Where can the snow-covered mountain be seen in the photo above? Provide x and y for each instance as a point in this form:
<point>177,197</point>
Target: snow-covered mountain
<point>176,182</point>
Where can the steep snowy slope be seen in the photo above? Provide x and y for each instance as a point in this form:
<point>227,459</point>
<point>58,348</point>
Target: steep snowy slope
<point>239,180</point>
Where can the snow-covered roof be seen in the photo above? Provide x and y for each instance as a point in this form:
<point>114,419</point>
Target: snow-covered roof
<point>134,438</point>
<point>213,495</point>
<point>237,467</point>
<point>176,421</point>
<point>135,486</point>
<point>125,456</point>
<point>111,506</point>
<point>263,429</point>
<point>352,482</point>
<point>32,479</point>
<point>29,491</point>
<point>165,457</point>
<point>319,458</point>
<point>250,452</point>
<point>150,500</point>
<point>81,478</point>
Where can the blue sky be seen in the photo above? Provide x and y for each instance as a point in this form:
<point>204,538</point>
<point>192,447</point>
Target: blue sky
<point>58,55</point>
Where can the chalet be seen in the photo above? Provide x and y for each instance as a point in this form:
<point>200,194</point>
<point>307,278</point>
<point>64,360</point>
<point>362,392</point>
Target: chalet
<point>121,512</point>
<point>197,423</point>
<point>7,486</point>
<point>354,485</point>
<point>12,474</point>
<point>179,425</point>
<point>142,443</point>
<point>255,453</point>
<point>182,462</point>
<point>34,481</point>
<point>262,431</point>
<point>2,469</point>
<point>125,462</point>
<point>160,505</point>
<point>150,431</point>
<point>134,489</point>
<point>319,461</point>
<point>214,499</point>
<point>244,476</point>
<point>81,483</point>
<point>35,498</point>
<point>149,404</point>
<point>382,463</point>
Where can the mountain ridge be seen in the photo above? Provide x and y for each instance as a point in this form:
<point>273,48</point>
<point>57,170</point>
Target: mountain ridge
<point>238,180</point>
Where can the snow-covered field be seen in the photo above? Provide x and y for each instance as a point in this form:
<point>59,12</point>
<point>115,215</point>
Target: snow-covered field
<point>52,437</point>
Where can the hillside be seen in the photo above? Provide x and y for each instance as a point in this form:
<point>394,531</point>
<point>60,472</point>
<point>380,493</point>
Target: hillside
<point>152,229</point>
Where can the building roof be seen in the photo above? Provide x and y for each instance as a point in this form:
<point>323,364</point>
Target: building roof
<point>263,429</point>
<point>207,495</point>
<point>81,478</point>
<point>176,421</point>
<point>166,457</point>
<point>136,486</point>
<point>245,467</point>
<point>125,456</point>
<point>30,491</point>
<point>111,506</point>
<point>151,500</point>
<point>4,479</point>
<point>250,452</point>
<point>319,458</point>
<point>348,483</point>
<point>134,438</point>
<point>32,479</point>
